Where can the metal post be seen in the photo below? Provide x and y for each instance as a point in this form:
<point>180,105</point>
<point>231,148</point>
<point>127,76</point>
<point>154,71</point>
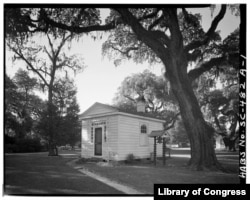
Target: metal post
<point>164,150</point>
<point>154,150</point>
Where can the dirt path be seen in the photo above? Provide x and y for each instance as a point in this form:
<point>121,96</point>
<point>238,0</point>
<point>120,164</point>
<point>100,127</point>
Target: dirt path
<point>123,188</point>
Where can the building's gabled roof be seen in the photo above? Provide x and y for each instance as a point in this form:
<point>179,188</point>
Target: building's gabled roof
<point>99,109</point>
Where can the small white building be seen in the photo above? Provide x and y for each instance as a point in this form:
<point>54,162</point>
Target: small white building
<point>112,134</point>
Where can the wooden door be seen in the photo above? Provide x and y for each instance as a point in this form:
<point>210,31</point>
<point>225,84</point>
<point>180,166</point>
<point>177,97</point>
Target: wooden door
<point>98,141</point>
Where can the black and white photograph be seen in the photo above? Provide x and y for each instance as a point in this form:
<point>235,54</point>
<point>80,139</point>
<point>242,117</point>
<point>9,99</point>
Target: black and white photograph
<point>112,99</point>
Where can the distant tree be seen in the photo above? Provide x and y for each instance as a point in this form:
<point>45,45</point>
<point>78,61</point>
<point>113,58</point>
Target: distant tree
<point>66,123</point>
<point>34,56</point>
<point>65,99</point>
<point>72,125</point>
<point>160,101</point>
<point>178,133</point>
<point>152,88</point>
<point>220,106</point>
<point>12,104</point>
<point>22,106</point>
<point>25,83</point>
<point>222,110</point>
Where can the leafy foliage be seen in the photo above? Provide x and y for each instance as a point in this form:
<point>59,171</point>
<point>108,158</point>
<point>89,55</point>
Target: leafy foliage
<point>221,106</point>
<point>22,112</point>
<point>153,89</point>
<point>36,57</point>
<point>24,145</point>
<point>66,125</point>
<point>178,133</point>
<point>17,22</point>
<point>22,107</point>
<point>158,97</point>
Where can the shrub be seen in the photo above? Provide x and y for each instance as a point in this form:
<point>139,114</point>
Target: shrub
<point>24,146</point>
<point>130,158</point>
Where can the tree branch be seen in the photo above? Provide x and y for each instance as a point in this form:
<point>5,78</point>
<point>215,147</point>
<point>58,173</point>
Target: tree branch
<point>197,43</point>
<point>29,64</point>
<point>51,47</point>
<point>65,38</point>
<point>147,37</point>
<point>205,66</point>
<point>173,120</point>
<point>176,35</point>
<point>153,14</point>
<point>152,107</point>
<point>44,71</point>
<point>216,120</point>
<point>162,37</point>
<point>126,52</point>
<point>46,51</point>
<point>77,29</point>
<point>130,98</point>
<point>159,107</point>
<point>155,23</point>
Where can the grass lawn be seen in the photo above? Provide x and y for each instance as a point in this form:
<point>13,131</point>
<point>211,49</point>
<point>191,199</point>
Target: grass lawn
<point>40,174</point>
<point>142,175</point>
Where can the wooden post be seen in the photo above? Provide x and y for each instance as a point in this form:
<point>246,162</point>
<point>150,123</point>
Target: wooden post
<point>155,151</point>
<point>164,150</point>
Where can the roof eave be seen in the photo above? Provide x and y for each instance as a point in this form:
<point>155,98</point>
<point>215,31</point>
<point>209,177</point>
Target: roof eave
<point>121,113</point>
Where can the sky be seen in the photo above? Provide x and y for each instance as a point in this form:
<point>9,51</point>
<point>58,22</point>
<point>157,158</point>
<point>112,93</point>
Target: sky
<point>99,81</point>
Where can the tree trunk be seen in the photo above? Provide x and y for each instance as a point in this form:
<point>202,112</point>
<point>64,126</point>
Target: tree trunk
<point>52,144</point>
<point>199,133</point>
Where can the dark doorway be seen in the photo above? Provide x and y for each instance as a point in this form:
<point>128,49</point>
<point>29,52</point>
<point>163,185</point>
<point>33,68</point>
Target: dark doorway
<point>98,141</point>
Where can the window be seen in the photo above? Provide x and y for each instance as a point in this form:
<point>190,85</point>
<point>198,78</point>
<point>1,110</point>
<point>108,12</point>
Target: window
<point>143,135</point>
<point>143,128</point>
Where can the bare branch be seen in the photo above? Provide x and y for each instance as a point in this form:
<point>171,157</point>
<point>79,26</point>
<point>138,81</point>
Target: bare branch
<point>61,45</point>
<point>172,122</point>
<point>43,71</point>
<point>126,52</point>
<point>29,64</point>
<point>51,47</point>
<point>46,51</point>
<point>130,98</point>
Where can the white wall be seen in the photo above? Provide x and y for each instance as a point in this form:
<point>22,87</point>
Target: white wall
<point>109,147</point>
<point>123,138</point>
<point>129,137</point>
